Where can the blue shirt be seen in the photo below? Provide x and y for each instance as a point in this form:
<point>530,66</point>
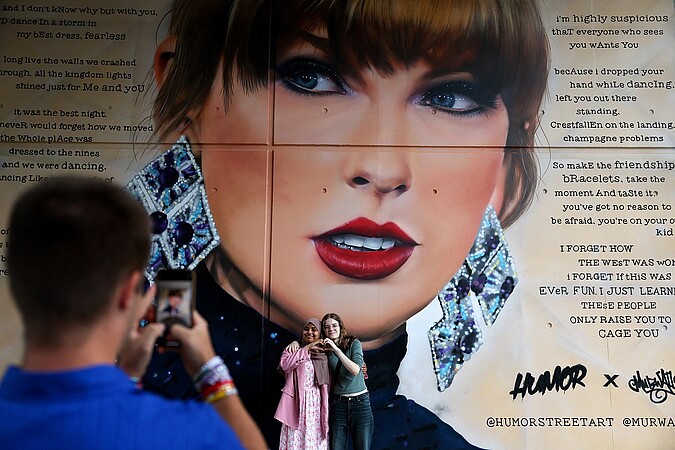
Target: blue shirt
<point>100,408</point>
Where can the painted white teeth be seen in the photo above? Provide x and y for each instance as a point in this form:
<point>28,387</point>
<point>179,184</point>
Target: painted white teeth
<point>372,243</point>
<point>354,240</point>
<point>388,243</point>
<point>357,242</point>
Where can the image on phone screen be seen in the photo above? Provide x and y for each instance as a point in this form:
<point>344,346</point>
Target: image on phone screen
<point>174,298</point>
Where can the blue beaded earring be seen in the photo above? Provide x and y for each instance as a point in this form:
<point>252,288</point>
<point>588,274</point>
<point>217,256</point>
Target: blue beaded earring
<point>171,188</point>
<point>488,272</point>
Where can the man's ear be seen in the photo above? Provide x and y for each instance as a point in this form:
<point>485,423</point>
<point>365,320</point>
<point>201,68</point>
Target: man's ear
<point>129,291</point>
<point>164,57</point>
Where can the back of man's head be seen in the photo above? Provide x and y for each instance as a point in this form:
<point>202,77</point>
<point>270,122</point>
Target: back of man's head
<point>72,241</point>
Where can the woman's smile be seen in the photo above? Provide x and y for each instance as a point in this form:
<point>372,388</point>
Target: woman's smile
<point>310,333</point>
<point>364,250</point>
<point>331,328</point>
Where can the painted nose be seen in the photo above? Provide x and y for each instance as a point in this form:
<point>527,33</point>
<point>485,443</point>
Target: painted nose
<point>383,172</point>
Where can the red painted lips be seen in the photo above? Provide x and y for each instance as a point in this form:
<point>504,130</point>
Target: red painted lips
<point>364,250</point>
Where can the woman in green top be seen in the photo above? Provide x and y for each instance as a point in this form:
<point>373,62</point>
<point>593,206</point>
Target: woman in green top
<point>350,414</point>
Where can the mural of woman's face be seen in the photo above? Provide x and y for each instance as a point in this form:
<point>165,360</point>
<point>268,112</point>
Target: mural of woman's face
<point>372,229</point>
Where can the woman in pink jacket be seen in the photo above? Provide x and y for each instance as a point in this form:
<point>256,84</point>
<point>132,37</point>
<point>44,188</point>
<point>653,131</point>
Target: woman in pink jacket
<point>303,408</point>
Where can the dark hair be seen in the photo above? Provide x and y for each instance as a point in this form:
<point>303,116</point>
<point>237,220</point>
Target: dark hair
<point>71,242</point>
<point>344,340</point>
<point>501,42</point>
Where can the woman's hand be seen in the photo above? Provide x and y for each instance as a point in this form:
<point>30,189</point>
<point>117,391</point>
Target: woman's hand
<point>332,346</point>
<point>314,344</point>
<point>316,347</point>
<point>293,347</point>
<point>350,365</point>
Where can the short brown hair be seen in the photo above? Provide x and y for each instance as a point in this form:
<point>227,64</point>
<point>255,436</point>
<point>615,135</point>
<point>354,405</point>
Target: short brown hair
<point>72,241</point>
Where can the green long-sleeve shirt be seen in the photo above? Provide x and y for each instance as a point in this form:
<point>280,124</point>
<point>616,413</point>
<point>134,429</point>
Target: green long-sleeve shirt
<point>344,383</point>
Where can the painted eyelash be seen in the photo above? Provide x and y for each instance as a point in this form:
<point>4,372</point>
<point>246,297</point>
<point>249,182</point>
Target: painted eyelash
<point>484,98</point>
<point>295,66</point>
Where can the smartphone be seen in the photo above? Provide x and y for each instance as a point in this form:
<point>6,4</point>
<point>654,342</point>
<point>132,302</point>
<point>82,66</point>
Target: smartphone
<point>174,300</point>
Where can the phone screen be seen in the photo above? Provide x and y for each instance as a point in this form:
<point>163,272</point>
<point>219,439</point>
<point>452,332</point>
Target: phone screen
<point>174,300</point>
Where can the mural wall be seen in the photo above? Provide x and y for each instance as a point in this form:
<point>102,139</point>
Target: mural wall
<point>484,194</point>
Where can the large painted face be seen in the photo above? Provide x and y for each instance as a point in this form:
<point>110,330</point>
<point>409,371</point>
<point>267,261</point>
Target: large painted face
<point>372,229</point>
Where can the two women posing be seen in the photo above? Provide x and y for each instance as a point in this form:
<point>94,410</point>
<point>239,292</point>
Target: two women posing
<point>312,369</point>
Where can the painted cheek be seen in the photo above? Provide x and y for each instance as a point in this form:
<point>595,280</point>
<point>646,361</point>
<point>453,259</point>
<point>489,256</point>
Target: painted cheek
<point>246,120</point>
<point>236,185</point>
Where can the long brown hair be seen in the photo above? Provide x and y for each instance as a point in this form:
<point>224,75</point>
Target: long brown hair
<point>501,42</point>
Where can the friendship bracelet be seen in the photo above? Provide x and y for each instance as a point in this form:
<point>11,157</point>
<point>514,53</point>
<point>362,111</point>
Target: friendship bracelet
<point>214,381</point>
<point>207,367</point>
<point>213,377</point>
<point>223,390</point>
<point>226,386</point>
<point>207,390</point>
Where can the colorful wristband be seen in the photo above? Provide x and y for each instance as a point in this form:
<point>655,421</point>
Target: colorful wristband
<point>137,382</point>
<point>213,380</point>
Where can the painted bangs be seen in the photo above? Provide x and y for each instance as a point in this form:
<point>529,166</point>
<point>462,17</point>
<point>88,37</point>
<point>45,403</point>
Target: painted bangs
<point>465,36</point>
<point>502,43</point>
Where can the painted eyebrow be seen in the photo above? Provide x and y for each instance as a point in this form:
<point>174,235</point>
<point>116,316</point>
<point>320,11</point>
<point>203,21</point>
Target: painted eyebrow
<point>442,72</point>
<point>299,37</point>
<point>321,43</point>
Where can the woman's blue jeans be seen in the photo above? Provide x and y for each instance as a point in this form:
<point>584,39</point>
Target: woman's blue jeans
<point>351,419</point>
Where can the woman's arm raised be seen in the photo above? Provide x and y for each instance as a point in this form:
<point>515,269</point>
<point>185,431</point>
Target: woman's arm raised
<point>350,365</point>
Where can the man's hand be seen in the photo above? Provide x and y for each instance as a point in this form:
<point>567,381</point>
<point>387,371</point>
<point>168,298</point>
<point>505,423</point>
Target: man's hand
<point>195,350</point>
<point>196,347</point>
<point>136,350</point>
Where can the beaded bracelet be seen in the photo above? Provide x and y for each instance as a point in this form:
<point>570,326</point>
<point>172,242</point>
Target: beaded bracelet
<point>213,380</point>
<point>208,367</point>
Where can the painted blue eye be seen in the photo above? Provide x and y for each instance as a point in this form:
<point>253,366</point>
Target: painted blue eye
<point>310,77</point>
<point>459,97</point>
<point>305,80</point>
<point>450,101</point>
<point>314,82</point>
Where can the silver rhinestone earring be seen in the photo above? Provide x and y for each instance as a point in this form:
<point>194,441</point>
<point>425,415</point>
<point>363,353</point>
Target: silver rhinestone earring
<point>488,272</point>
<point>171,188</point>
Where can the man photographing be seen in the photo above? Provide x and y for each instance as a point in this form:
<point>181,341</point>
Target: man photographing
<point>76,256</point>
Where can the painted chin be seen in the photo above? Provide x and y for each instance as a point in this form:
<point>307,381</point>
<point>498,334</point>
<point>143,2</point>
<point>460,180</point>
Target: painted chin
<point>364,250</point>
